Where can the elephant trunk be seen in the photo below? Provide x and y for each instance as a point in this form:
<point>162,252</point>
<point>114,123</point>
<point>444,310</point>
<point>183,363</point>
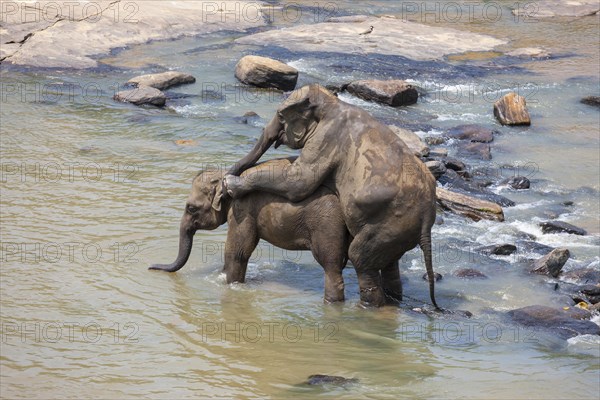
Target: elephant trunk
<point>186,240</point>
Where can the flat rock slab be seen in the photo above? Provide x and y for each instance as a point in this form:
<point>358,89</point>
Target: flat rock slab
<point>142,95</point>
<point>556,8</point>
<point>561,227</point>
<point>511,109</point>
<point>552,263</point>
<point>468,206</point>
<point>394,93</point>
<point>265,72</point>
<point>390,36</point>
<point>163,80</point>
<point>412,140</point>
<point>481,151</point>
<point>470,273</point>
<point>563,323</point>
<point>70,35</point>
<point>472,133</point>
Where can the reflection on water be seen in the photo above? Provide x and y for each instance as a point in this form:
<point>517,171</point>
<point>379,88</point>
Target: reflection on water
<point>92,192</point>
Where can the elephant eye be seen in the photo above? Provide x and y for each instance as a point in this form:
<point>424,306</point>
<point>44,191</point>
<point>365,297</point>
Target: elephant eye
<point>191,209</point>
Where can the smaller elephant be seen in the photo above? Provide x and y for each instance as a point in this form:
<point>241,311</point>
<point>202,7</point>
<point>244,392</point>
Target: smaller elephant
<point>315,223</point>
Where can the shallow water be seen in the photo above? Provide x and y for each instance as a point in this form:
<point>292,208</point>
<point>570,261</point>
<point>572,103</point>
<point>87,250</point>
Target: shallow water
<point>92,193</point>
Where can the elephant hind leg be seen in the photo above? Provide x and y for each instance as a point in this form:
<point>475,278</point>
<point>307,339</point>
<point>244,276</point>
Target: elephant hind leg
<point>368,256</point>
<point>392,285</point>
<point>333,260</point>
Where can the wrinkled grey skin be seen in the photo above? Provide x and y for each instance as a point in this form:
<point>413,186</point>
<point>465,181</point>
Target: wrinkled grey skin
<point>387,194</point>
<point>314,224</point>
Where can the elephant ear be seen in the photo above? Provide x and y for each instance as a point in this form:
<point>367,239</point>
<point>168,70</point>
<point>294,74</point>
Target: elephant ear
<point>295,111</point>
<point>216,203</point>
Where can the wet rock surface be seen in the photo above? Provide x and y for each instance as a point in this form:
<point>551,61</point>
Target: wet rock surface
<point>451,180</point>
<point>319,379</point>
<point>471,207</point>
<point>265,72</point>
<point>438,277</point>
<point>552,263</point>
<point>142,95</point>
<point>561,227</point>
<point>470,273</point>
<point>394,93</point>
<point>562,323</point>
<point>163,80</point>
<point>473,133</point>
<point>518,182</point>
<point>498,249</point>
<point>481,151</point>
<point>511,109</point>
<point>591,101</point>
<point>583,276</point>
<point>437,168</point>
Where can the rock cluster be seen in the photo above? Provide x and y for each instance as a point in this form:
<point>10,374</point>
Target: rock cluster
<point>147,89</point>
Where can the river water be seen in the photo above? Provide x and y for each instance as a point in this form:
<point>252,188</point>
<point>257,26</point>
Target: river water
<point>92,193</point>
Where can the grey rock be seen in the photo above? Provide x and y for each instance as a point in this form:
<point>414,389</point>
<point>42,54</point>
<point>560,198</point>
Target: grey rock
<point>583,276</point>
<point>163,80</point>
<point>473,133</point>
<point>529,246</point>
<point>552,263</point>
<point>480,151</point>
<point>518,182</point>
<point>498,249</point>
<point>452,180</point>
<point>591,101</point>
<point>394,93</point>
<point>470,273</point>
<point>319,379</point>
<point>438,277</point>
<point>435,140</point>
<point>560,227</point>
<point>142,95</point>
<point>563,323</point>
<point>455,164</point>
<point>265,72</point>
<point>437,168</point>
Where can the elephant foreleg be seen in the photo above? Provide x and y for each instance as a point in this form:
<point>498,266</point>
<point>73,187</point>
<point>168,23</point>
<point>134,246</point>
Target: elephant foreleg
<point>241,242</point>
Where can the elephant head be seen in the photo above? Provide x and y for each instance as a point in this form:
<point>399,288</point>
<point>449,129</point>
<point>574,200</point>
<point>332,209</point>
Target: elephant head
<point>293,124</point>
<point>203,210</point>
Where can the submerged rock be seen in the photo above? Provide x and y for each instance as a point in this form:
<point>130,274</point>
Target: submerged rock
<point>468,206</point>
<point>330,380</point>
<point>481,151</point>
<point>563,323</point>
<point>583,276</point>
<point>591,101</point>
<point>473,133</point>
<point>394,93</point>
<point>498,249</point>
<point>552,263</point>
<point>511,109</point>
<point>518,182</point>
<point>560,227</point>
<point>438,277</point>
<point>451,180</point>
<point>265,72</point>
<point>142,95</point>
<point>529,246</point>
<point>470,273</point>
<point>529,52</point>
<point>163,80</point>
<point>412,140</point>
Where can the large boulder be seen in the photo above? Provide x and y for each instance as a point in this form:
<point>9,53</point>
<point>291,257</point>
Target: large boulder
<point>561,227</point>
<point>412,140</point>
<point>163,80</point>
<point>468,206</point>
<point>511,109</point>
<point>563,323</point>
<point>552,263</point>
<point>394,93</point>
<point>142,95</point>
<point>265,72</point>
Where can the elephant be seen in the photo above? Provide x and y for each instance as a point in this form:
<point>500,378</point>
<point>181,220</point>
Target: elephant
<point>314,223</point>
<point>387,194</point>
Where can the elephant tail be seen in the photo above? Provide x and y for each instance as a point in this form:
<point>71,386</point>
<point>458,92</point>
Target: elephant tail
<point>425,244</point>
